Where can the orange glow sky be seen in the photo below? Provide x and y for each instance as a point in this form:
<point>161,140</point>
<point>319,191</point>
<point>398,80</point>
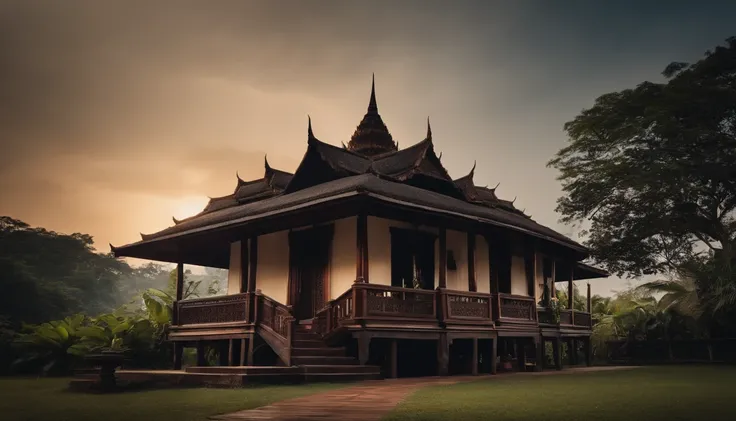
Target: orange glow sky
<point>116,116</point>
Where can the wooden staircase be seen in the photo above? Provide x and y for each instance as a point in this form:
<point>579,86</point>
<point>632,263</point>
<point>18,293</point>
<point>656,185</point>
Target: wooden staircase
<point>320,362</point>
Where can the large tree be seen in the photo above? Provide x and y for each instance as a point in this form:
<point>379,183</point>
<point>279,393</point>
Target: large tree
<point>653,169</point>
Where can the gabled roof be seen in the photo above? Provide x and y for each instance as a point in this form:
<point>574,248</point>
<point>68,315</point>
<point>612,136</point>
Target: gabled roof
<point>359,185</point>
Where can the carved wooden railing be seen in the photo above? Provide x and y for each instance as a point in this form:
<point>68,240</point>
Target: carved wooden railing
<point>517,307</point>
<point>581,319</point>
<point>219,309</point>
<point>276,323</point>
<point>565,317</point>
<point>545,316</point>
<point>464,306</point>
<point>385,302</point>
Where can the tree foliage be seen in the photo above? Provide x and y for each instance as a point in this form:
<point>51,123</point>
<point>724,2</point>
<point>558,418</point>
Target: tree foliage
<point>653,169</point>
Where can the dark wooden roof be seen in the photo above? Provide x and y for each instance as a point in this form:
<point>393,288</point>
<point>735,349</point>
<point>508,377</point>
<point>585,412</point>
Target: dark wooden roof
<point>369,185</point>
<point>371,165</point>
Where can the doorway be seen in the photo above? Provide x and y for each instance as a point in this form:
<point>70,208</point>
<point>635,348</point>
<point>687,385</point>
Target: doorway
<point>309,256</point>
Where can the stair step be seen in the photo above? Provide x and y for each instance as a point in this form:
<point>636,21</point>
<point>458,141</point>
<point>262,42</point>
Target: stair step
<point>340,377</point>
<point>321,351</point>
<point>304,336</point>
<point>324,369</point>
<point>322,360</point>
<point>244,370</point>
<point>308,343</point>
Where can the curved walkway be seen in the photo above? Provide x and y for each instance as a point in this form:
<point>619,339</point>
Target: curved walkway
<point>366,401</point>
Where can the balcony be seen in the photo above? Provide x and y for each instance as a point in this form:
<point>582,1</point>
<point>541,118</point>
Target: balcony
<point>568,318</point>
<point>219,309</point>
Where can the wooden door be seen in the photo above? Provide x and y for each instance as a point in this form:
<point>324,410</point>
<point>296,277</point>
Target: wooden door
<point>309,255</point>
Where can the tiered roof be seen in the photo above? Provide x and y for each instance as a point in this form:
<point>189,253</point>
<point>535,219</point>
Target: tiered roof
<point>371,164</point>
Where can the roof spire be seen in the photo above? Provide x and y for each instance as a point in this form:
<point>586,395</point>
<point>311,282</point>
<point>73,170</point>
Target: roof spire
<point>429,130</point>
<point>309,127</point>
<point>265,161</point>
<point>372,106</point>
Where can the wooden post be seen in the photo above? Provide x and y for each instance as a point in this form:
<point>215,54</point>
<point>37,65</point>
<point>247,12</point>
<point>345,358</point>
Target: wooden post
<point>493,278</point>
<point>179,293</point>
<point>178,353</point>
<point>443,258</point>
<point>250,350</point>
<point>364,345</point>
<point>553,287</point>
<point>472,285</point>
<point>244,266</point>
<point>571,289</point>
<point>557,352</point>
<point>530,268</point>
<point>494,355</point>
<point>394,359</point>
<point>201,358</point>
<point>521,354</point>
<point>589,302</point>
<point>443,355</point>
<point>572,350</point>
<point>362,249</point>
<point>242,352</point>
<point>474,367</point>
<point>230,352</point>
<point>252,264</point>
<point>539,353</point>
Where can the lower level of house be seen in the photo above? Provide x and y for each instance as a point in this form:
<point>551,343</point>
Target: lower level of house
<point>377,329</point>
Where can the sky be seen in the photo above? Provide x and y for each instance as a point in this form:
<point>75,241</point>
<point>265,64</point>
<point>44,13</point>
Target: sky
<point>117,115</point>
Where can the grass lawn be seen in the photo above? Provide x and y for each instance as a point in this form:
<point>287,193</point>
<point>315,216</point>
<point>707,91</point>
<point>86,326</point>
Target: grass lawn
<point>23,399</point>
<point>642,394</point>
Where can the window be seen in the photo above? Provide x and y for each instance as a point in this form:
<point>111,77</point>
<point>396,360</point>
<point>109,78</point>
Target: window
<point>412,259</point>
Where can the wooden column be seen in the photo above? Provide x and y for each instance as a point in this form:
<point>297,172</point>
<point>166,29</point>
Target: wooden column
<point>242,352</point>
<point>557,352</point>
<point>494,355</point>
<point>252,264</point>
<point>572,350</point>
<point>244,266</point>
<point>364,348</point>
<point>521,354</point>
<point>474,367</point>
<point>472,284</point>
<point>178,353</point>
<point>493,278</point>
<point>443,355</point>
<point>530,267</point>
<point>230,352</point>
<point>201,358</point>
<point>571,289</point>
<point>251,341</point>
<point>361,266</point>
<point>553,287</point>
<point>539,353</point>
<point>393,359</point>
<point>179,293</point>
<point>443,258</point>
<point>589,302</point>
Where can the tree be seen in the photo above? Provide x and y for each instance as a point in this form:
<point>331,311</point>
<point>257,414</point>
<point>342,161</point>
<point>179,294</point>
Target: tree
<point>653,169</point>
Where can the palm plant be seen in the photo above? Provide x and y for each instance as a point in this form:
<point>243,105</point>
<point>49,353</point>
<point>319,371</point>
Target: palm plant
<point>57,345</point>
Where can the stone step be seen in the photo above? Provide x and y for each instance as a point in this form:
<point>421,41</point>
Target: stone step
<point>322,351</point>
<point>244,370</point>
<point>308,343</point>
<point>324,369</point>
<point>321,360</point>
<point>340,377</point>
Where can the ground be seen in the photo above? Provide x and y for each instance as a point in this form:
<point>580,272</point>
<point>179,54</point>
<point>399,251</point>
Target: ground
<point>651,393</point>
<point>48,399</point>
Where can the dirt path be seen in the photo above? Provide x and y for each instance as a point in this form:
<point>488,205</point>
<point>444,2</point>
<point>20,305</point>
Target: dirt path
<point>367,401</point>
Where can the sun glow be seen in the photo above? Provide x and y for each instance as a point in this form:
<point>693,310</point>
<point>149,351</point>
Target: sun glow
<point>189,206</point>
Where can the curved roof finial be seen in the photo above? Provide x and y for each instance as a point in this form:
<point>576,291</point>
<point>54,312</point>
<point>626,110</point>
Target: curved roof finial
<point>429,130</point>
<point>372,106</point>
<point>112,248</point>
<point>265,161</point>
<point>472,170</point>
<point>176,221</point>
<point>512,202</point>
<point>440,156</point>
<point>499,183</point>
<point>309,127</point>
